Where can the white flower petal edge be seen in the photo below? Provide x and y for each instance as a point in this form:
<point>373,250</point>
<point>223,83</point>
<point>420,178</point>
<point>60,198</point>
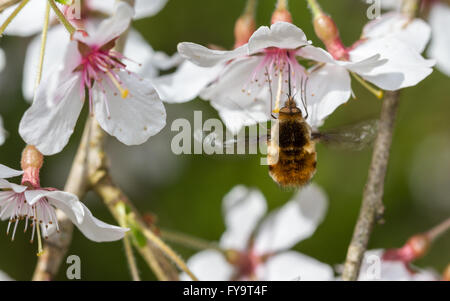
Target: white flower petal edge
<point>242,210</point>
<point>29,20</point>
<point>236,108</point>
<point>415,33</point>
<point>295,266</point>
<point>4,184</point>
<point>205,57</point>
<point>3,133</point>
<point>209,265</point>
<point>132,120</point>
<point>79,214</point>
<point>6,172</point>
<point>57,39</point>
<point>280,35</point>
<point>295,221</point>
<point>5,277</point>
<point>186,83</point>
<point>405,67</point>
<point>145,61</point>
<point>49,126</point>
<point>2,59</point>
<point>440,43</point>
<point>144,8</point>
<point>328,94</point>
<point>110,28</point>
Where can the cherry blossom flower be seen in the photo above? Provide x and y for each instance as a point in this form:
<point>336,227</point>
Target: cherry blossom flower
<point>257,247</point>
<point>30,19</point>
<point>36,207</point>
<point>125,105</point>
<point>397,24</point>
<point>146,61</point>
<point>241,93</point>
<point>376,266</point>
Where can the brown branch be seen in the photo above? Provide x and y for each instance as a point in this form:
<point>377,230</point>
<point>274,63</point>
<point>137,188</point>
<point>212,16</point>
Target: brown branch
<point>372,203</point>
<point>57,245</point>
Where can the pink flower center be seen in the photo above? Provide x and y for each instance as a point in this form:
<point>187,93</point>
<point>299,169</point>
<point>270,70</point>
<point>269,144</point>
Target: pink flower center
<point>273,69</point>
<point>15,207</point>
<point>100,65</point>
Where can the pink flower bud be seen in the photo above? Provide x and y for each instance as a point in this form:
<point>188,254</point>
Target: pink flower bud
<point>243,29</point>
<point>31,163</point>
<point>328,33</point>
<point>416,247</point>
<point>281,15</point>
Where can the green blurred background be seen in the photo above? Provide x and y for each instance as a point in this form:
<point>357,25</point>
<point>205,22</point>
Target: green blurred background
<point>185,192</point>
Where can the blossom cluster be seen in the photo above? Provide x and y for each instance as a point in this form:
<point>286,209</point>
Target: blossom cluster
<point>99,61</point>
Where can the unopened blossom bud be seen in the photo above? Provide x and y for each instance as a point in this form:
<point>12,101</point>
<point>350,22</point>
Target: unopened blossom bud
<point>419,245</point>
<point>446,274</point>
<point>416,247</point>
<point>281,15</point>
<point>243,29</point>
<point>328,33</point>
<point>31,163</point>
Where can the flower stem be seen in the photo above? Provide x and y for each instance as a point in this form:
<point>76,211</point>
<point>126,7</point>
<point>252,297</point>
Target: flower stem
<point>315,7</point>
<point>377,92</point>
<point>62,18</point>
<point>189,241</point>
<point>43,45</point>
<point>12,16</point>
<point>282,5</point>
<point>438,230</point>
<point>250,7</point>
<point>168,252</point>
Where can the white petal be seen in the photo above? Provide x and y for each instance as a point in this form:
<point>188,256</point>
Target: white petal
<point>6,172</point>
<point>440,44</point>
<point>209,265</point>
<point>2,59</point>
<point>134,119</point>
<point>79,214</point>
<point>186,82</point>
<point>5,277</point>
<point>110,28</point>
<point>148,8</point>
<point>3,132</point>
<point>144,60</point>
<point>57,39</point>
<point>280,35</point>
<point>206,57</point>
<point>295,221</point>
<point>405,66</point>
<point>327,88</point>
<point>49,122</point>
<point>144,8</point>
<point>391,4</point>
<point>294,266</point>
<point>415,33</point>
<point>4,184</point>
<point>242,210</point>
<point>29,20</point>
<point>238,108</point>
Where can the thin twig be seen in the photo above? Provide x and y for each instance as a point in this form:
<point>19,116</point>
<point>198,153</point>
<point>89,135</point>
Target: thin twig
<point>189,241</point>
<point>439,230</point>
<point>372,203</point>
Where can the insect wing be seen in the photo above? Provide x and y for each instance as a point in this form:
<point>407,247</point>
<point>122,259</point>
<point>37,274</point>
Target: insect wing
<point>357,136</point>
